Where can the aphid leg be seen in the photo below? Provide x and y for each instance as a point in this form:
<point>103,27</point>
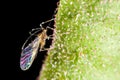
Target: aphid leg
<point>44,49</point>
<point>50,28</point>
<point>50,37</point>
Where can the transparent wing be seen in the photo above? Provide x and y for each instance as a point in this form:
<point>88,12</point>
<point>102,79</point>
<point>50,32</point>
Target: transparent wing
<point>28,54</point>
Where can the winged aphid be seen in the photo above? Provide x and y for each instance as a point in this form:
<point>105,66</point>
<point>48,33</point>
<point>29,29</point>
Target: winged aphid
<point>29,52</point>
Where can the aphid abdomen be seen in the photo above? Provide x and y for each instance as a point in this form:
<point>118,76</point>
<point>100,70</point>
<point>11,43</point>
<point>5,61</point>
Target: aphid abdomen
<point>42,37</point>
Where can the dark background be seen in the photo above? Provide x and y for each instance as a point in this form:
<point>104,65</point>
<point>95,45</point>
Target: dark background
<point>25,16</point>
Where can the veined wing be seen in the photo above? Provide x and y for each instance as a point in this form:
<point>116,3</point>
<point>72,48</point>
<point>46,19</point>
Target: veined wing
<point>28,54</point>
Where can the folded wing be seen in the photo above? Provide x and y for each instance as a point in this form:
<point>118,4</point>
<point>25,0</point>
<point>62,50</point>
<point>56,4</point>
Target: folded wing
<point>28,54</point>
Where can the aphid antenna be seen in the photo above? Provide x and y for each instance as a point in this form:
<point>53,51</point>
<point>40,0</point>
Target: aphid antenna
<point>46,22</point>
<point>36,29</point>
<point>41,27</point>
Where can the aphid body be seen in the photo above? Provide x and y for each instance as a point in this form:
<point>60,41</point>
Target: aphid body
<point>29,53</point>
